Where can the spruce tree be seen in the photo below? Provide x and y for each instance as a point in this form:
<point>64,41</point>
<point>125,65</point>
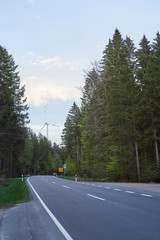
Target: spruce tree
<point>118,66</point>
<point>13,114</point>
<point>72,134</point>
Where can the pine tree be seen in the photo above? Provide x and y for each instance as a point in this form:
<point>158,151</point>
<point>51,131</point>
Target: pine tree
<point>155,73</point>
<point>93,133</point>
<point>71,135</point>
<point>147,72</point>
<point>118,66</point>
<point>13,114</point>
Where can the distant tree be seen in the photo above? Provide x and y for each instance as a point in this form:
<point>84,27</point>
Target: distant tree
<point>58,156</point>
<point>25,158</point>
<point>71,135</point>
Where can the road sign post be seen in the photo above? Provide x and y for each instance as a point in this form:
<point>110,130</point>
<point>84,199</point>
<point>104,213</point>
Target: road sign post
<point>75,178</point>
<point>61,170</point>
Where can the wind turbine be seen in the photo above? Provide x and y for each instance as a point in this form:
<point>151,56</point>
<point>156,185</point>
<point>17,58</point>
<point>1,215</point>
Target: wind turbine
<point>46,124</point>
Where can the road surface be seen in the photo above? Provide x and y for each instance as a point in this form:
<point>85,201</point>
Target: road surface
<point>62,209</point>
<point>96,211</point>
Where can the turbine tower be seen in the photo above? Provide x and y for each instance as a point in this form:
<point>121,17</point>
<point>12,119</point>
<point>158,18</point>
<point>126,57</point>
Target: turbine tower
<point>46,124</point>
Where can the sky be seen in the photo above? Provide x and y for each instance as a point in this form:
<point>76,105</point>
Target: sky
<point>54,41</point>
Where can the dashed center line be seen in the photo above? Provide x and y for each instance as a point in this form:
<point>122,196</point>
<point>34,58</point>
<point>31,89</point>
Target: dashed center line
<point>65,186</point>
<point>115,189</point>
<point>53,182</point>
<point>93,196</point>
<point>146,195</point>
<point>129,192</point>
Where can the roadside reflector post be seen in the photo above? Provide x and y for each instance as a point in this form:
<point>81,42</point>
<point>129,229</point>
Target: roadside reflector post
<point>75,178</point>
<point>22,177</point>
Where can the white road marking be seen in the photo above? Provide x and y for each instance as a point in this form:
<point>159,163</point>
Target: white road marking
<point>61,228</point>
<point>53,182</point>
<point>65,186</point>
<point>99,186</point>
<point>93,185</point>
<point>146,195</point>
<point>102,199</point>
<point>108,187</point>
<point>117,189</point>
<point>129,192</point>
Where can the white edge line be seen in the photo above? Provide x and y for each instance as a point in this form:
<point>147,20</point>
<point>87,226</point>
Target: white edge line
<point>96,197</point>
<point>117,189</point>
<point>61,228</point>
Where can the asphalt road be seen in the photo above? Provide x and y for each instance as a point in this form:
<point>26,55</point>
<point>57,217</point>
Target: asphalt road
<point>95,211</point>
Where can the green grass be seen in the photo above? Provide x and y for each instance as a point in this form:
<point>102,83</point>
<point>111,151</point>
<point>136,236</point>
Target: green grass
<point>66,177</point>
<point>15,192</point>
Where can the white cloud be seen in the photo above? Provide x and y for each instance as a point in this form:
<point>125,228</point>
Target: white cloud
<point>51,62</point>
<point>31,53</point>
<point>31,1</point>
<point>55,60</point>
<point>41,90</point>
<point>98,46</point>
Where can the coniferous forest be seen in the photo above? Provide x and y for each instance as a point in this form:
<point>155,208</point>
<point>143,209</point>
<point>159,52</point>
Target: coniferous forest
<point>21,151</point>
<point>113,136</point>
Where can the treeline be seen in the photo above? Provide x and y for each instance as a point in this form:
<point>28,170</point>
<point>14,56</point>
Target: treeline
<point>39,156</point>
<point>13,114</point>
<point>115,133</point>
<point>21,151</point>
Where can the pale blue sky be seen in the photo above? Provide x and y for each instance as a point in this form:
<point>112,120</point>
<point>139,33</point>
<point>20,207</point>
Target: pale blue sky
<point>53,41</point>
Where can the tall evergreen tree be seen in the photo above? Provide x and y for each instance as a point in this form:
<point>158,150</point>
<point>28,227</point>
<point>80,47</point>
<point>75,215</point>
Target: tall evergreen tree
<point>92,124</point>
<point>71,135</point>
<point>118,67</point>
<point>13,114</point>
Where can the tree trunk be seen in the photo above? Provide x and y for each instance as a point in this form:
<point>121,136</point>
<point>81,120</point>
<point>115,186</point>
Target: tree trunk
<point>11,160</point>
<point>137,158</point>
<point>156,147</point>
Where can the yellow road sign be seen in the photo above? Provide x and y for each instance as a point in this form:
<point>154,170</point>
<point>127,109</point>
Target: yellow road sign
<point>60,169</point>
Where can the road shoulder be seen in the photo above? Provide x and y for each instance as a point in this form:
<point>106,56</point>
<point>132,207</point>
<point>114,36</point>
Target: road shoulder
<point>27,221</point>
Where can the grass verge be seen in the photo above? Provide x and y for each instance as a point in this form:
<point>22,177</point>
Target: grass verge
<point>66,177</point>
<point>13,191</point>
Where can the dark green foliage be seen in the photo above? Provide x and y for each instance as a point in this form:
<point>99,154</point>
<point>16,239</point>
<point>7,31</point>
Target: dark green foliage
<point>119,123</point>
<point>115,134</point>
<point>13,115</point>
<point>39,156</point>
<point>21,151</point>
<point>71,135</point>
